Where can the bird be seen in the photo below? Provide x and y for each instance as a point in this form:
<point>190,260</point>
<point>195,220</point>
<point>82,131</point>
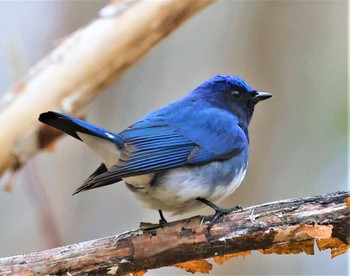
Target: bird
<point>188,154</point>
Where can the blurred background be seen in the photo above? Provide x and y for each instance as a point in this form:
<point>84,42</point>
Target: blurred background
<point>296,50</point>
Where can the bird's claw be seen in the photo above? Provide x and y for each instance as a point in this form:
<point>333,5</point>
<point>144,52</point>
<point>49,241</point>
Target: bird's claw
<point>220,212</point>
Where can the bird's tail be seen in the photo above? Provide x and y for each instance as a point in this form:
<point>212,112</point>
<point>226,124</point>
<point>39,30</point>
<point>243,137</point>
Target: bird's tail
<point>104,143</point>
<point>74,126</point>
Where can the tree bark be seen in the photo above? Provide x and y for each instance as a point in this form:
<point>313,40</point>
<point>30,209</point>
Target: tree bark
<point>284,227</point>
<point>81,67</point>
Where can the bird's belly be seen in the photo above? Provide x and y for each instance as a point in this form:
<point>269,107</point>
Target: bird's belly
<point>176,190</point>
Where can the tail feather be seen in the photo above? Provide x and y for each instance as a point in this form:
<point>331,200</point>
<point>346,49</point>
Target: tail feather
<point>90,182</point>
<point>71,126</point>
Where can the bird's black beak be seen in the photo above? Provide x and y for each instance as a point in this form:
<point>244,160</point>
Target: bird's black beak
<point>260,96</point>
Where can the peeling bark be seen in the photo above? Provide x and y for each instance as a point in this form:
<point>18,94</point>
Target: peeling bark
<point>282,227</point>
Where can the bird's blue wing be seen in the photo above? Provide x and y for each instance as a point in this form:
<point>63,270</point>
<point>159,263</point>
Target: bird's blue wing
<point>160,143</point>
<point>151,146</point>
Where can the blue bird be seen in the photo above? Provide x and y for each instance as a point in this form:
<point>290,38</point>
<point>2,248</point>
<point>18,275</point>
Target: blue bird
<point>174,159</point>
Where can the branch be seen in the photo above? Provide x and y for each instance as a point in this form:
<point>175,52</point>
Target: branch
<point>285,227</point>
<point>81,67</point>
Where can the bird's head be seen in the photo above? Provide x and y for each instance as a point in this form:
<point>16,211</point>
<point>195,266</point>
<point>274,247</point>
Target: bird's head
<point>233,94</point>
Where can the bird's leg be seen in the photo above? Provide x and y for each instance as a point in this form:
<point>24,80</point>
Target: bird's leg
<point>219,212</point>
<point>162,221</point>
<point>150,226</point>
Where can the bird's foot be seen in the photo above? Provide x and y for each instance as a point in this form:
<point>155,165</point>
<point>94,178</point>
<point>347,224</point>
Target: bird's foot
<point>219,212</point>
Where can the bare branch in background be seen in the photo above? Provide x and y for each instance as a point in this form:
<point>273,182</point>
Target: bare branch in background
<point>81,67</point>
<point>283,227</point>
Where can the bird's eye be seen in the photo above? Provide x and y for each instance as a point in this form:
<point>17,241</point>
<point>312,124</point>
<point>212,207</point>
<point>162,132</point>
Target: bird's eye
<point>236,94</point>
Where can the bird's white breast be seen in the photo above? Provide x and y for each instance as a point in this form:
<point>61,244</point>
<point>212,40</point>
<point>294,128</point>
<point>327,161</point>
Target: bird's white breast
<point>176,190</point>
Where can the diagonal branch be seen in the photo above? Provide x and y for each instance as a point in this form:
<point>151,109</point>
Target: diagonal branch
<point>79,69</point>
<point>284,227</point>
